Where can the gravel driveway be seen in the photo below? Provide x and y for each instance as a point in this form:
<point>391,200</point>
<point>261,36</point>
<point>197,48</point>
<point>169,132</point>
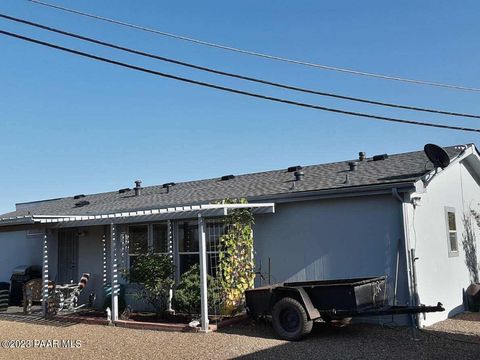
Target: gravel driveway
<point>457,338</point>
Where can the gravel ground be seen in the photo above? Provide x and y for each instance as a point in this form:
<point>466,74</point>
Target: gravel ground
<point>457,338</point>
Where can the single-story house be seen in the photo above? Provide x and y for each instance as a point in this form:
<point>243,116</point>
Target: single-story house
<point>395,215</point>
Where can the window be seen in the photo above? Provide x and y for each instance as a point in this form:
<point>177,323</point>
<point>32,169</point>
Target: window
<point>451,231</point>
<point>137,242</point>
<point>188,244</point>
<point>144,237</point>
<point>160,241</point>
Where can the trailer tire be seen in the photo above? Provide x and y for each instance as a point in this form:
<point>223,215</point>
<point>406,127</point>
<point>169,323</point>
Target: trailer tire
<point>290,320</point>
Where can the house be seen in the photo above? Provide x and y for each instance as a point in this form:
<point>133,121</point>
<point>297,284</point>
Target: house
<point>395,215</point>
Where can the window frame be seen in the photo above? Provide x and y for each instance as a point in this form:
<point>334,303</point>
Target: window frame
<point>150,239</point>
<point>451,253</point>
<point>179,254</point>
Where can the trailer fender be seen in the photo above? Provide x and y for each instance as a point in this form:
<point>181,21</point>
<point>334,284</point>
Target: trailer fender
<point>302,296</point>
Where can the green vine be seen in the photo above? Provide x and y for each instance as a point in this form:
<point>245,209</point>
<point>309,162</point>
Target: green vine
<point>236,256</point>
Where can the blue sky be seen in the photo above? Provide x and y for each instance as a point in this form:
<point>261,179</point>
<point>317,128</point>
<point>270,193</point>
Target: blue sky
<point>71,125</point>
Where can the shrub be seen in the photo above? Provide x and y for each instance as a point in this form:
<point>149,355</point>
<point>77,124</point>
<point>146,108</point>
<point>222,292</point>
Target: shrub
<point>155,272</point>
<point>186,298</point>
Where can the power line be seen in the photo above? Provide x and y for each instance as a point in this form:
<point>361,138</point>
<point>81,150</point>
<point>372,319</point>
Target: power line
<point>236,91</point>
<point>257,54</point>
<point>243,77</point>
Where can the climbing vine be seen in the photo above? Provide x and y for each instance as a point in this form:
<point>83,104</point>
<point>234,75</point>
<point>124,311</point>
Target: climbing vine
<point>236,256</point>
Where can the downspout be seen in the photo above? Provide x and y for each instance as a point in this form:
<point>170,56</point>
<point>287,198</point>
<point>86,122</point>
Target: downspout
<point>409,258</point>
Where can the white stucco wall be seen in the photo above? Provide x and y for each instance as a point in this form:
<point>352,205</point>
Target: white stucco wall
<point>18,249</point>
<point>440,277</point>
<point>333,239</point>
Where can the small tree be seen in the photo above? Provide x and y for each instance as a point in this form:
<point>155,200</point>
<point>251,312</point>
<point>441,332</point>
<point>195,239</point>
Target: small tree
<point>155,273</point>
<point>236,267</point>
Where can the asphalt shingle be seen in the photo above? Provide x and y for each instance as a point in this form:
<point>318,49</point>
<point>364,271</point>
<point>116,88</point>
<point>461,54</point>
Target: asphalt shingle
<point>398,168</point>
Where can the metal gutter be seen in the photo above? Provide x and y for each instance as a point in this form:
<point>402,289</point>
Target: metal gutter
<point>363,190</point>
<point>17,220</point>
<point>409,256</point>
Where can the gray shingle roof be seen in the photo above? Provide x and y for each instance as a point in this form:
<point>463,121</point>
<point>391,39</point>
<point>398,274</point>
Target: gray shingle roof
<point>398,168</point>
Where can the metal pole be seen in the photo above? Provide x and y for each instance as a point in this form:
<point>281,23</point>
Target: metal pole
<point>45,276</point>
<point>203,274</point>
<point>114,271</point>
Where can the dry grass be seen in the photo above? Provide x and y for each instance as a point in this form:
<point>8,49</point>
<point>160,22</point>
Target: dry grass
<point>450,339</point>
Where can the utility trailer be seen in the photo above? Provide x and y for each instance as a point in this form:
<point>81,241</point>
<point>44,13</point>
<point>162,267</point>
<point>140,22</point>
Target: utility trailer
<point>294,306</point>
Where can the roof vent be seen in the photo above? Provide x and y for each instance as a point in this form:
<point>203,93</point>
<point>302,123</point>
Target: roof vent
<point>294,168</point>
<point>362,156</point>
<point>138,187</point>
<point>76,197</point>
<point>82,203</point>
<point>168,186</point>
<point>353,165</point>
<point>227,177</point>
<point>380,157</point>
<point>299,175</point>
<point>124,190</point>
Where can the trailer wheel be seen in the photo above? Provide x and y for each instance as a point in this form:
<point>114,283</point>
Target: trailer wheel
<point>290,320</point>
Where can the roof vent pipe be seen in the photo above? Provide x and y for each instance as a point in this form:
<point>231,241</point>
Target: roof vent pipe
<point>362,156</point>
<point>353,165</point>
<point>299,175</point>
<point>168,186</point>
<point>138,187</point>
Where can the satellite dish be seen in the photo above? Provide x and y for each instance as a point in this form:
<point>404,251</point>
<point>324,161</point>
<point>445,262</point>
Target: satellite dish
<point>437,156</point>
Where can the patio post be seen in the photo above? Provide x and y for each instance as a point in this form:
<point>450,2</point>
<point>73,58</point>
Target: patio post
<point>114,271</point>
<point>170,253</point>
<point>104,257</point>
<point>45,275</point>
<point>203,274</point>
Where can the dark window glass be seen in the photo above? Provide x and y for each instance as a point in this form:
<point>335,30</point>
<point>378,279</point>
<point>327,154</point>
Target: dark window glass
<point>452,226</point>
<point>160,238</point>
<point>186,262</point>
<point>188,237</point>
<point>138,239</point>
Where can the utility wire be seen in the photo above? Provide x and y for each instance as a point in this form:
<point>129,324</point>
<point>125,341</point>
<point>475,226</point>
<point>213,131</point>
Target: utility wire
<point>257,54</point>
<point>233,75</point>
<point>236,91</point>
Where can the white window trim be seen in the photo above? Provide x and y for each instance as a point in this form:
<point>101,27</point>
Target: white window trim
<point>451,253</point>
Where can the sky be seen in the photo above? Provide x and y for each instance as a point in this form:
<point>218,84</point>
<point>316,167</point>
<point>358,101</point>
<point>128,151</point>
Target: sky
<point>70,125</point>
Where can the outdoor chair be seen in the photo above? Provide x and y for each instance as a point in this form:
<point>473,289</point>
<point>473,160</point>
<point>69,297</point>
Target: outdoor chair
<point>32,293</point>
<point>65,297</point>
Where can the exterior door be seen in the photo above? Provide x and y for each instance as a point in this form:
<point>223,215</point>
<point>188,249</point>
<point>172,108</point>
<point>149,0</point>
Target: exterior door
<point>67,271</point>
